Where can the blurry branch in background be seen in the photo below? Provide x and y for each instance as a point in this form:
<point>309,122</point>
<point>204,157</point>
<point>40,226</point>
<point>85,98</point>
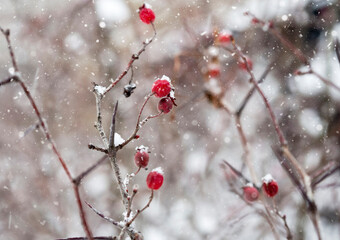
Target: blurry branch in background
<point>306,190</point>
<point>227,168</point>
<point>16,77</point>
<point>110,149</point>
<point>290,46</point>
<point>337,49</point>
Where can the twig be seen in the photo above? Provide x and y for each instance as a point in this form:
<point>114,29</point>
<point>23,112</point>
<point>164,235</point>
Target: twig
<point>138,125</point>
<point>78,179</point>
<point>284,219</point>
<point>252,90</point>
<point>140,211</point>
<point>8,80</point>
<point>134,57</point>
<point>337,49</point>
<point>47,135</point>
<point>324,173</point>
<point>238,173</point>
<point>103,216</point>
<point>93,147</point>
<point>279,133</point>
<point>296,51</point>
<point>112,155</point>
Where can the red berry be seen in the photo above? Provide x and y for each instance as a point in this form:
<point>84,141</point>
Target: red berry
<point>255,21</point>
<point>142,157</point>
<point>165,105</point>
<point>224,37</point>
<point>146,14</point>
<point>161,87</point>
<point>250,193</point>
<point>243,65</point>
<point>214,72</point>
<point>270,186</point>
<point>155,179</point>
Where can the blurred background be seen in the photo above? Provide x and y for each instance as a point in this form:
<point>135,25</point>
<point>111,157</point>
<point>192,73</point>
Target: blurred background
<point>63,46</point>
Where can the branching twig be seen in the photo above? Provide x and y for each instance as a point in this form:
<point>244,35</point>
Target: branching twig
<point>45,131</point>
<point>134,57</point>
<point>141,210</point>
<point>78,179</point>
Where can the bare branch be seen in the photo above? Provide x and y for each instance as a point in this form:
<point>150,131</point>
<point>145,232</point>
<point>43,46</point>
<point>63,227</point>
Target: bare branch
<point>93,147</point>
<point>8,80</point>
<point>134,57</point>
<point>78,179</point>
<point>112,129</point>
<point>140,211</point>
<point>103,216</point>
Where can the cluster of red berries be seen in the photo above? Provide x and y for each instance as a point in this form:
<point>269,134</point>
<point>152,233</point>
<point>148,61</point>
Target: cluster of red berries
<point>162,88</point>
<point>269,186</point>
<point>155,178</point>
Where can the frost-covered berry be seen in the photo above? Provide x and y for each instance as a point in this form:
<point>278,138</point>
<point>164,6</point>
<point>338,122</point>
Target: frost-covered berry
<point>250,193</point>
<point>165,105</point>
<point>224,37</point>
<point>243,65</point>
<point>155,179</point>
<point>142,156</point>
<point>146,14</point>
<point>270,186</point>
<point>162,87</point>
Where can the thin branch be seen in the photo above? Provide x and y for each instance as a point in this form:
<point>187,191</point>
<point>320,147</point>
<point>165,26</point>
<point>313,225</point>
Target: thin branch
<point>138,124</point>
<point>134,57</point>
<point>8,80</point>
<point>296,51</point>
<point>99,96</point>
<point>130,202</point>
<point>238,173</point>
<point>78,179</point>
<point>103,216</point>
<point>112,129</point>
<point>252,90</point>
<point>324,173</point>
<point>6,33</point>
<point>284,219</point>
<point>290,46</point>
<point>113,159</point>
<point>140,211</point>
<point>47,135</point>
<point>337,49</point>
<point>99,149</point>
<point>280,135</point>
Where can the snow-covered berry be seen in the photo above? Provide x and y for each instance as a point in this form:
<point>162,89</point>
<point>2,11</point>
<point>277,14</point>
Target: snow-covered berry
<point>165,105</point>
<point>243,65</point>
<point>224,37</point>
<point>250,193</point>
<point>270,186</point>
<point>162,87</point>
<point>155,179</point>
<point>146,14</point>
<point>142,156</point>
